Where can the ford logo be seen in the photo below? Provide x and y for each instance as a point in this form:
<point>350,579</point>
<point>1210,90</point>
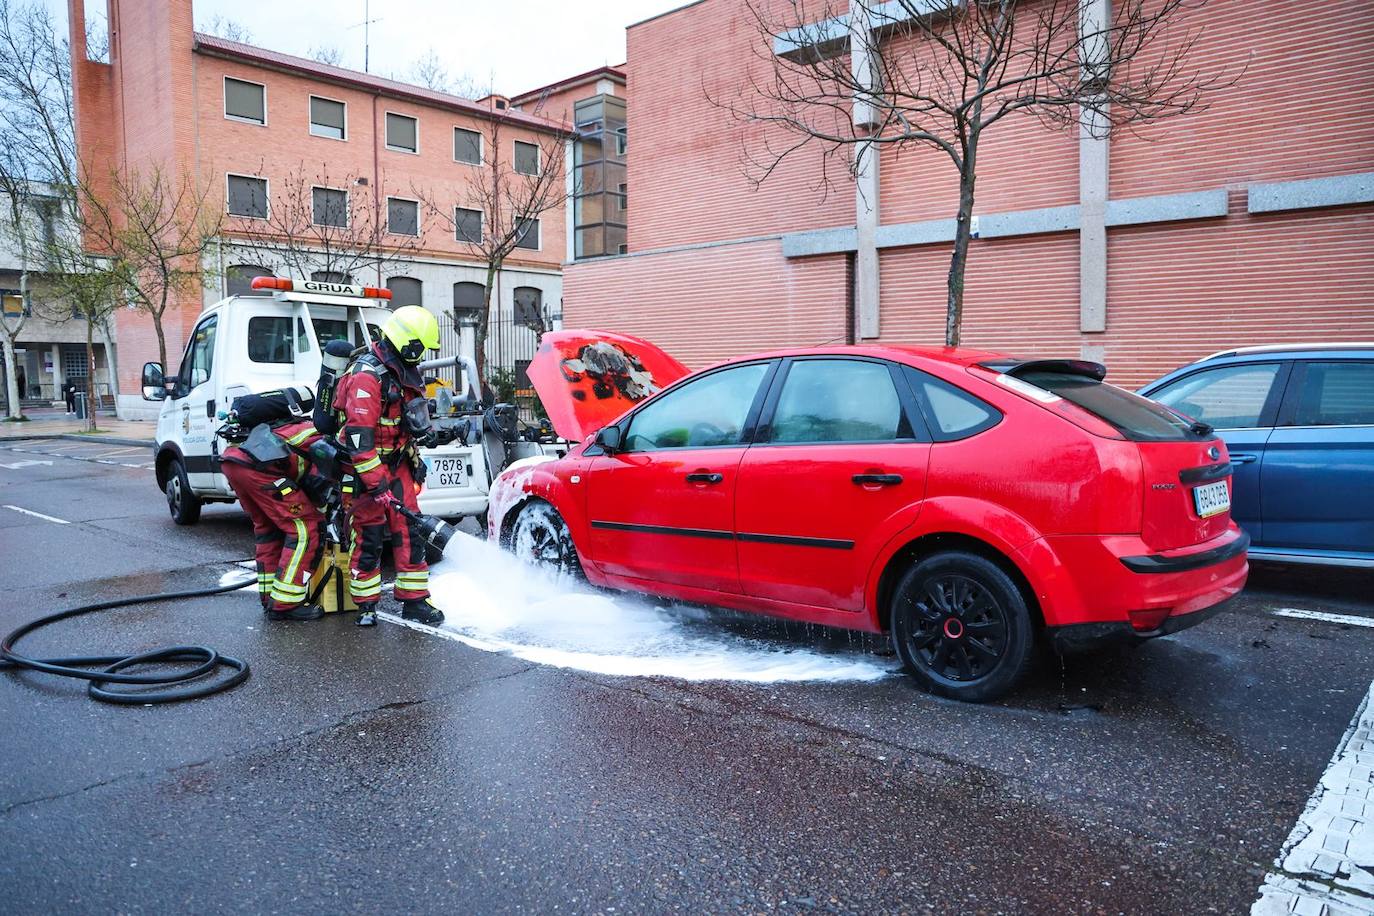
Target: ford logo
<point>1214,453</point>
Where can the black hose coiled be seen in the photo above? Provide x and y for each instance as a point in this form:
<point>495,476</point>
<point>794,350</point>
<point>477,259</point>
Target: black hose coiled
<point>109,667</point>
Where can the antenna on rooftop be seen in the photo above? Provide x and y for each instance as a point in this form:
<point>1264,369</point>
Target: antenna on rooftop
<point>367,30</point>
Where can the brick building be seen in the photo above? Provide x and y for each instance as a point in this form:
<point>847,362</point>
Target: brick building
<point>1251,222</point>
<point>250,124</point>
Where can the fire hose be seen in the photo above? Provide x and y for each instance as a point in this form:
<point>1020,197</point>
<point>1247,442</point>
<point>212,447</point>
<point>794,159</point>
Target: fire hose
<point>185,683</point>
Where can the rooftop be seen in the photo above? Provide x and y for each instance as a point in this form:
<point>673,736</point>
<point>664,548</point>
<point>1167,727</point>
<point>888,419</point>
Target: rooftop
<point>612,73</point>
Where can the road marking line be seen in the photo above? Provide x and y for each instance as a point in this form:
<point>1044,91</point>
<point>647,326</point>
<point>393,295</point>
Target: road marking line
<point>141,467</point>
<point>118,451</point>
<point>49,518</point>
<point>1325,865</point>
<point>1298,613</point>
<point>24,463</point>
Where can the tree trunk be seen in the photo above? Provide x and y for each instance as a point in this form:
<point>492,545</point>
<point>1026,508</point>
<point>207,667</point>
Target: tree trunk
<point>13,396</point>
<point>479,333</point>
<point>90,377</point>
<point>958,262</point>
<point>161,342</point>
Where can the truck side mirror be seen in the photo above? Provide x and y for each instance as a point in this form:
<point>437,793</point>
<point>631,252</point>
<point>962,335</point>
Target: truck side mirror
<point>154,382</point>
<point>608,437</point>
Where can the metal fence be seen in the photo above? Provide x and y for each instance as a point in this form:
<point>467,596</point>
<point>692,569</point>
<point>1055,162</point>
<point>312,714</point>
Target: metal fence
<point>511,344</point>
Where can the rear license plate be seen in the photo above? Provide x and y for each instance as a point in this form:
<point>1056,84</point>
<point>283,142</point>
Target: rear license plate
<point>444,472</point>
<point>1211,499</point>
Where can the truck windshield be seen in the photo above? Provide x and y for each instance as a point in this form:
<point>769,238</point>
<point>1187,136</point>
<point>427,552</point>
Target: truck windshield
<point>1137,418</point>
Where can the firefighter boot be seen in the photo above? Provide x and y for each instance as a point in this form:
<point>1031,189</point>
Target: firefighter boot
<point>421,611</point>
<point>299,612</point>
<point>367,615</point>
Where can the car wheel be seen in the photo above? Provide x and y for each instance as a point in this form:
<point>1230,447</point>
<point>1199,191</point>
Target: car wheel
<point>541,537</point>
<point>961,627</point>
<point>181,502</point>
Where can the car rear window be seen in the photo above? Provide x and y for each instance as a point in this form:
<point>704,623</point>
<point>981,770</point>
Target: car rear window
<point>1135,417</point>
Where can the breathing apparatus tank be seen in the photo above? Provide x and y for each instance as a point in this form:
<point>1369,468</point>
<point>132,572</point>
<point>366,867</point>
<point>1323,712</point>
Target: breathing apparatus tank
<point>333,362</point>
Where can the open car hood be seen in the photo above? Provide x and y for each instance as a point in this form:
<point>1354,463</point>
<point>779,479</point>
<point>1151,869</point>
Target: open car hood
<point>587,379</point>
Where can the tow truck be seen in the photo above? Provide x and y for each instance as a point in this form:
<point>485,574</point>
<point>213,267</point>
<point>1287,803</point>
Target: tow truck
<point>250,344</point>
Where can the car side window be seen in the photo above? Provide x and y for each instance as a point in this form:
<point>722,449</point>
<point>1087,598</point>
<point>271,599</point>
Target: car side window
<point>1336,394</point>
<point>201,354</point>
<point>838,400</point>
<point>951,412</point>
<point>1228,397</point>
<point>705,412</point>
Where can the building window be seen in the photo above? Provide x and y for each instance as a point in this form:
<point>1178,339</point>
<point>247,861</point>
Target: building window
<point>238,280</point>
<point>330,207</point>
<point>331,276</point>
<point>402,133</point>
<point>245,101</point>
<point>327,118</point>
<point>467,146</point>
<point>13,304</point>
<point>404,291</point>
<point>469,299</point>
<point>529,306</point>
<point>600,200</point>
<point>247,196</point>
<point>529,235</point>
<point>467,225</point>
<point>526,158</point>
<point>402,216</point>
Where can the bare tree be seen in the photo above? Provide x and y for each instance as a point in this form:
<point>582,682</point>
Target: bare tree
<point>430,72</point>
<point>853,77</point>
<point>329,55</point>
<point>508,199</point>
<point>229,29</point>
<point>318,223</point>
<point>156,227</point>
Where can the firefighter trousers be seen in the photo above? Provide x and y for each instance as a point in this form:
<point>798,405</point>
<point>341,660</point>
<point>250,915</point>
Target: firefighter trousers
<point>288,533</point>
<point>372,525</point>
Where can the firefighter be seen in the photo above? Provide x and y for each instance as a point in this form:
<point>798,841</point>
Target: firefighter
<point>381,435</point>
<point>278,489</point>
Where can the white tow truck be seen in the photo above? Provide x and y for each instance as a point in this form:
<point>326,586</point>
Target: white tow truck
<point>250,344</point>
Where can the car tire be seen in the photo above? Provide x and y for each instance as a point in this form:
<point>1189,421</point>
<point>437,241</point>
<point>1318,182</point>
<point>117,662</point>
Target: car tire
<point>961,626</point>
<point>541,538</point>
<point>181,502</point>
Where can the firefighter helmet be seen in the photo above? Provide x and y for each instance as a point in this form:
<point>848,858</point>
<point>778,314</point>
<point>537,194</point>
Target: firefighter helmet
<point>412,330</point>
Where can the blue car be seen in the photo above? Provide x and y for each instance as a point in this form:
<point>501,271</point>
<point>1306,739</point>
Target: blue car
<point>1299,423</point>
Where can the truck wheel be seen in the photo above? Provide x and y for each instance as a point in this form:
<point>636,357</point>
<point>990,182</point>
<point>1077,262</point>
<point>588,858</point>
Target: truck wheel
<point>181,502</point>
<point>961,627</point>
<point>541,538</point>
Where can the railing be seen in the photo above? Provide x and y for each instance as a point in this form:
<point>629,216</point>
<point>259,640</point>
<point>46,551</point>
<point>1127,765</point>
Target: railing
<point>510,346</point>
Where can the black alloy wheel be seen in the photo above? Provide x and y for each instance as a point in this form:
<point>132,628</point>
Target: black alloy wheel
<point>961,626</point>
<point>541,538</point>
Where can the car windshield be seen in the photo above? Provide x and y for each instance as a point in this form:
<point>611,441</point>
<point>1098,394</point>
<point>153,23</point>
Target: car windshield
<point>1135,417</point>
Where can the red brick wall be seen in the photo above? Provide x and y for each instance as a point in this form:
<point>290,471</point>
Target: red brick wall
<point>741,298</point>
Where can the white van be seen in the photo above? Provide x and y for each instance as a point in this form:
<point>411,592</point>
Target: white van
<point>249,344</point>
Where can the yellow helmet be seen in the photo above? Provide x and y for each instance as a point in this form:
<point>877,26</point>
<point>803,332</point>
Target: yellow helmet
<point>412,330</point>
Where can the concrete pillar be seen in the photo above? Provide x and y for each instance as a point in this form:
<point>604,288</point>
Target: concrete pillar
<point>1093,159</point>
<point>56,372</point>
<point>866,184</point>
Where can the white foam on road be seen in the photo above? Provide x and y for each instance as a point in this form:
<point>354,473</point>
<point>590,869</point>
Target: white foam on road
<point>494,602</point>
<point>235,575</point>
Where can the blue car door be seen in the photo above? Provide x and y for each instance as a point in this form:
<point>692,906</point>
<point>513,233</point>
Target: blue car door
<point>1317,478</point>
<point>1241,401</point>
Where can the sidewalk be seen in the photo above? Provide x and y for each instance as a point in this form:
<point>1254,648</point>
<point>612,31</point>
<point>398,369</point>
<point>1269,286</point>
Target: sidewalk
<point>51,422</point>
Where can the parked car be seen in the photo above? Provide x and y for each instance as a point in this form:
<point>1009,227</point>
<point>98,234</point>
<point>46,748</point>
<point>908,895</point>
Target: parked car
<point>965,502</point>
<point>1299,424</point>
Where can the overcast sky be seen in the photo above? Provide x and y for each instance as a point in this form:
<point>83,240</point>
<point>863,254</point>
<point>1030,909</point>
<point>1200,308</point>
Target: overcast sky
<point>514,45</point>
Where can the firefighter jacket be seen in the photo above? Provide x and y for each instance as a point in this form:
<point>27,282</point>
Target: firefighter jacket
<point>370,400</point>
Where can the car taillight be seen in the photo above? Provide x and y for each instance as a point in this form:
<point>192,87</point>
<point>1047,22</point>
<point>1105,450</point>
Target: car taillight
<point>1147,619</point>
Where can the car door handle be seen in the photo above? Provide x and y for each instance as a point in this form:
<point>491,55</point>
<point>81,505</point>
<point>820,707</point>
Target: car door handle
<point>1243,459</point>
<point>704,477</point>
<point>881,480</point>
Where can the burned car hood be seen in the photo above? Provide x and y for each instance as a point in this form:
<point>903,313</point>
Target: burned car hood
<point>586,379</point>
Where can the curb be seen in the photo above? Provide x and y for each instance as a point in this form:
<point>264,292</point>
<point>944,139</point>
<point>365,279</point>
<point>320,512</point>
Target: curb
<point>80,437</point>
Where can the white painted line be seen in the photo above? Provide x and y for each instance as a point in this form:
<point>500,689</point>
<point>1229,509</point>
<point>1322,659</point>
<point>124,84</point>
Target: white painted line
<point>47,518</point>
<point>1327,863</point>
<point>1298,613</point>
<point>140,467</point>
<point>118,451</point>
<point>24,463</point>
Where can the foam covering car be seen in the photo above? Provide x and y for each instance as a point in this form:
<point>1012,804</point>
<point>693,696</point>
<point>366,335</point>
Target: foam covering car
<point>966,503</point>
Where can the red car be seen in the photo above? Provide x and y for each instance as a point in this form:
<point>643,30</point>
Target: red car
<point>965,502</point>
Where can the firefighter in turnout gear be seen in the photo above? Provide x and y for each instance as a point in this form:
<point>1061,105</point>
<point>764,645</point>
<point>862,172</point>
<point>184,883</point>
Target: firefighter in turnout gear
<point>381,436</point>
<point>276,486</point>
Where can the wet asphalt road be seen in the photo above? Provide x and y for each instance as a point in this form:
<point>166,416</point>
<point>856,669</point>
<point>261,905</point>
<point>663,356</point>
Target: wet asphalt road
<point>391,770</point>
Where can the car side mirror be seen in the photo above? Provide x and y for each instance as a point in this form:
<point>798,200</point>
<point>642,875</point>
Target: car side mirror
<point>154,382</point>
<point>608,438</point>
